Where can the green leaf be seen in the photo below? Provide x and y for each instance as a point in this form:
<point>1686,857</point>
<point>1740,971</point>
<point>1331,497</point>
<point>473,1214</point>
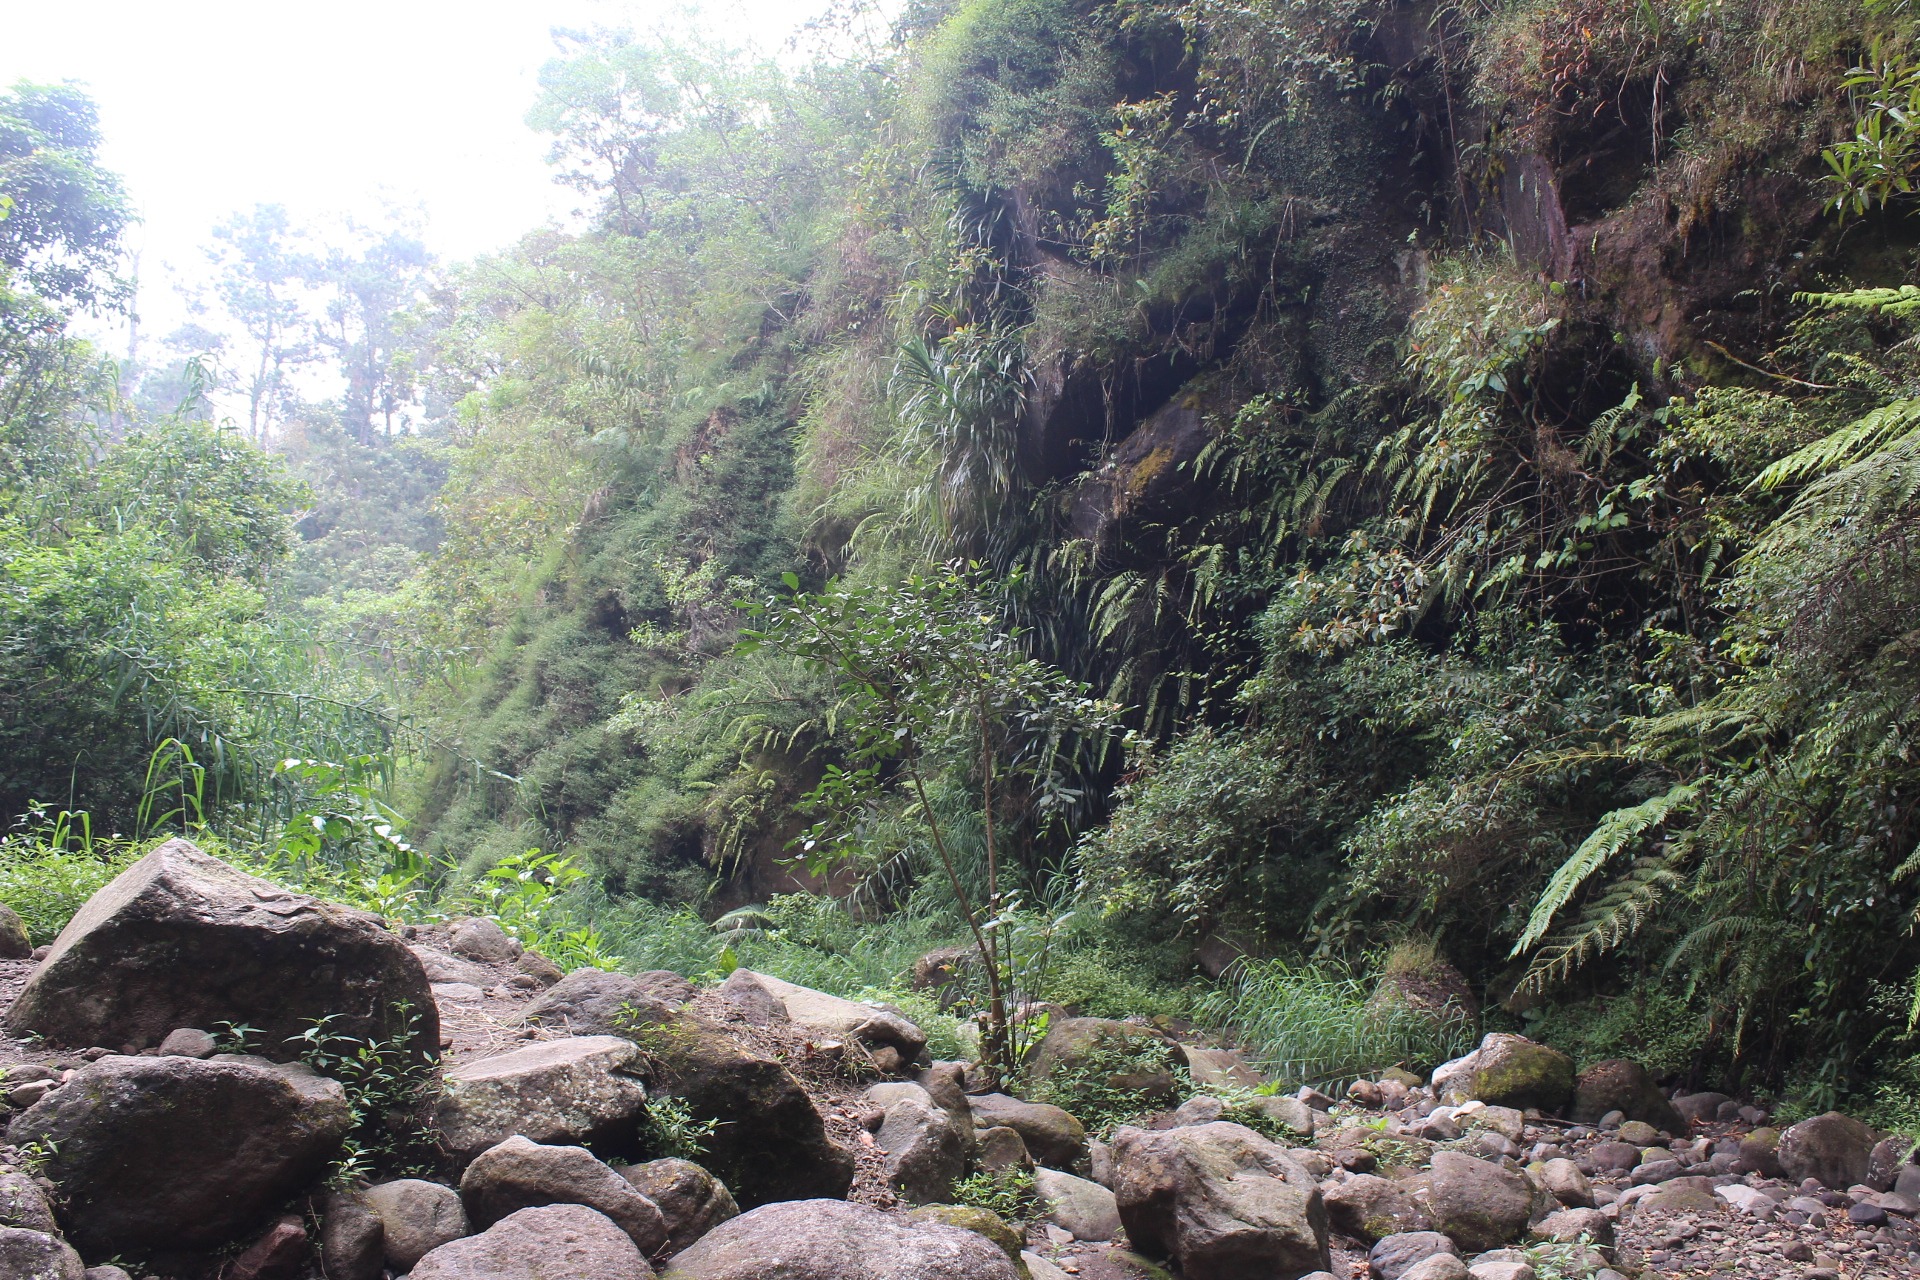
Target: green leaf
<point>1607,840</point>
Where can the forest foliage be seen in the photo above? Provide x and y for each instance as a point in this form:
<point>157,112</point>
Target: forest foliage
<point>1468,455</point>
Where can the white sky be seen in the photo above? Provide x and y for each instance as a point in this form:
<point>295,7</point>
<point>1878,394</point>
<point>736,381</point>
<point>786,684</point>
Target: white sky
<point>212,106</point>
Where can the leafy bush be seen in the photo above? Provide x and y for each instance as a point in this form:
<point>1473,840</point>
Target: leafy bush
<point>1087,1086</point>
<point>390,1089</point>
<point>670,1129</point>
<point>1007,1192</point>
<point>1662,1031</point>
<point>51,864</point>
<point>1322,1026</point>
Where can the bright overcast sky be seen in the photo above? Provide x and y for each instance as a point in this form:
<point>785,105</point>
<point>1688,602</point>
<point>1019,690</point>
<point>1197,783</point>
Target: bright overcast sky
<point>213,106</point>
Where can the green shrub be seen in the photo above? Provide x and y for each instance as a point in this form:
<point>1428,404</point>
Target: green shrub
<point>1007,1192</point>
<point>1086,1086</point>
<point>1662,1031</point>
<point>52,866</point>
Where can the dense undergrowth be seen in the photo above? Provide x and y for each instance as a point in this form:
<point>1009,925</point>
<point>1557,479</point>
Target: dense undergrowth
<point>1455,464</point>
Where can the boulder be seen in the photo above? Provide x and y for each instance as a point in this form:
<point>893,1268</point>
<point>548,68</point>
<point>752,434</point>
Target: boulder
<point>1371,1208</point>
<point>927,1149</point>
<point>1441,1266</point>
<point>1836,1150</point>
<point>416,1217</point>
<point>1563,1180</point>
<point>1221,1201</point>
<point>519,1174</point>
<point>1508,1071</point>
<point>1760,1152</point>
<point>1476,1202</point>
<point>579,1090</point>
<point>1568,1226</point>
<point>1392,1257</point>
<point>752,1000</point>
<point>1052,1136</point>
<point>1085,1209</point>
<point>441,967</point>
<point>188,1042</point>
<point>1000,1148</point>
<point>1624,1086</point>
<point>14,943</point>
<point>536,966</point>
<point>553,1242</point>
<point>278,1253</point>
<point>945,971</point>
<point>24,1204</point>
<point>36,1255</point>
<point>1073,1044</point>
<point>830,1016</point>
<point>1699,1108</point>
<point>592,1002</point>
<point>1888,1158</point>
<point>982,1222</point>
<point>838,1240</point>
<point>770,1143</point>
<point>1639,1133</point>
<point>480,939</point>
<point>177,1152</point>
<point>1215,1068</point>
<point>692,1201</point>
<point>665,986</point>
<point>352,1239</point>
<point>181,939</point>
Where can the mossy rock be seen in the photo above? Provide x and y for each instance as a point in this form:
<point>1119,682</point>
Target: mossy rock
<point>982,1222</point>
<point>1508,1071</point>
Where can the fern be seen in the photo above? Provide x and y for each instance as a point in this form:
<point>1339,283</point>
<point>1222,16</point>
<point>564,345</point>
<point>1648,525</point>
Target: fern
<point>1615,917</point>
<point>1608,839</point>
<point>1889,427</point>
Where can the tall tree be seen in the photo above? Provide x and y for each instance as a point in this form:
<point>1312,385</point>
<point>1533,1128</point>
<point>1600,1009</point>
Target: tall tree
<point>261,272</point>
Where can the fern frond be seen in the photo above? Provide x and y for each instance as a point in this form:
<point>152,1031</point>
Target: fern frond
<point>1885,427</point>
<point>1606,842</point>
<point>1615,917</point>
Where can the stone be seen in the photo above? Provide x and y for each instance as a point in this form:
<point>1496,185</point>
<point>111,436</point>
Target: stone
<point>552,1242</point>
<point>1569,1226</point>
<point>416,1217</point>
<point>1070,1043</point>
<point>181,939</point>
<point>1220,1200</point>
<point>278,1253</point>
<point>1679,1196</point>
<point>1886,1160</point>
<point>1760,1152</point>
<point>441,967</point>
<point>665,986</point>
<point>592,1002</point>
<point>177,1152</point>
<point>1392,1257</point>
<point>14,944</point>
<point>1204,1109</point>
<point>982,1222</point>
<point>482,941</point>
<point>1000,1148</point>
<point>752,1000</point>
<point>692,1201</point>
<point>519,1174</point>
<point>457,993</point>
<point>1054,1137</point>
<point>1699,1108</point>
<point>1504,1121</point>
<point>927,1147</point>
<point>1441,1266</point>
<point>37,1255</point>
<point>769,1142</point>
<point>944,971</point>
<point>1086,1209</point>
<point>1289,1113</point>
<point>188,1042</point>
<point>107,1271</point>
<point>1371,1208</point>
<point>1563,1180</point>
<point>352,1239</point>
<point>839,1240</point>
<point>1502,1269</point>
<point>24,1204</point>
<point>536,966</point>
<point>581,1090</point>
<point>1747,1199</point>
<point>1639,1133</point>
<point>867,1024</point>
<point>1510,1071</point>
<point>1475,1202</point>
<point>1832,1148</point>
<point>1215,1068</point>
<point>1624,1086</point>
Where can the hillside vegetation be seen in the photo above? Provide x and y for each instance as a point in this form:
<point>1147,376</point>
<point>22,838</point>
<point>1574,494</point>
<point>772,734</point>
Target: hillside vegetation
<point>1419,494</point>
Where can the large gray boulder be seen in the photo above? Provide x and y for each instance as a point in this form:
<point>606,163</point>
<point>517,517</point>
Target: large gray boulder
<point>582,1090</point>
<point>1479,1204</point>
<point>23,1203</point>
<point>1085,1210</point>
<point>823,1014</point>
<point>591,1002</point>
<point>1393,1256</point>
<point>152,1153</point>
<point>416,1217</point>
<point>769,1142</point>
<point>519,1174</point>
<point>1052,1135</point>
<point>927,1148</point>
<point>1221,1201</point>
<point>1624,1086</point>
<point>1371,1208</point>
<point>14,943</point>
<point>692,1201</point>
<point>1835,1149</point>
<point>36,1255</point>
<point>1508,1071</point>
<point>181,939</point>
<point>552,1242</point>
<point>838,1240</point>
<point>352,1239</point>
